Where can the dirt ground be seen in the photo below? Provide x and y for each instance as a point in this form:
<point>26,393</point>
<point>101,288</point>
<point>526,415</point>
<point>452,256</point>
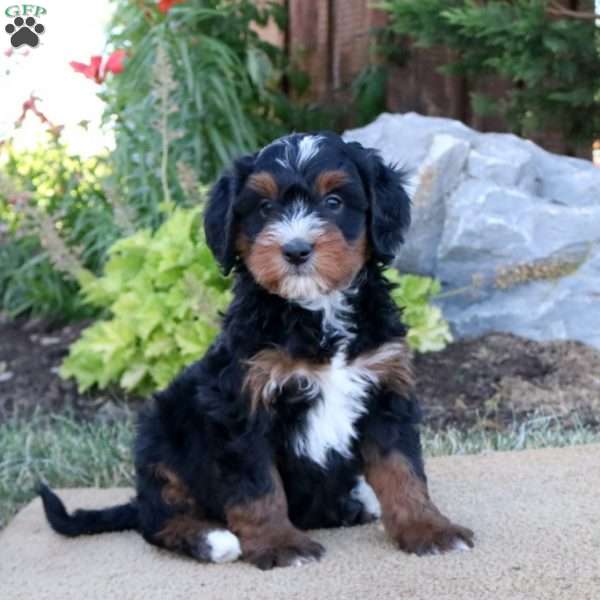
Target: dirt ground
<point>489,382</point>
<point>501,378</point>
<point>30,355</point>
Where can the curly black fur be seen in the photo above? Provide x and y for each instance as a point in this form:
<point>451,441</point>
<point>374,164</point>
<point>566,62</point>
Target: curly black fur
<point>203,430</point>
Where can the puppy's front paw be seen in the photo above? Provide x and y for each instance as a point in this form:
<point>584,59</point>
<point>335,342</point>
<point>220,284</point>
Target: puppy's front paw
<point>433,536</point>
<point>291,552</point>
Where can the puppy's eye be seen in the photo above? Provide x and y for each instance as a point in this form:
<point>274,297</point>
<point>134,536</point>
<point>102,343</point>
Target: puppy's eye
<point>333,202</point>
<point>265,208</point>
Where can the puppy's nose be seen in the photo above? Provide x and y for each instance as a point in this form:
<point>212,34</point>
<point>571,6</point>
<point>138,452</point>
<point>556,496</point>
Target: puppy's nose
<point>297,251</point>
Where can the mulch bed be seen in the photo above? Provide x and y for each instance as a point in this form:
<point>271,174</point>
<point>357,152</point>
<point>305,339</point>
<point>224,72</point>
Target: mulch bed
<point>490,382</point>
<point>31,352</point>
<point>499,379</point>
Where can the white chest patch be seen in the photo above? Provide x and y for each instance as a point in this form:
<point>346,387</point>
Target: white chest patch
<point>330,423</point>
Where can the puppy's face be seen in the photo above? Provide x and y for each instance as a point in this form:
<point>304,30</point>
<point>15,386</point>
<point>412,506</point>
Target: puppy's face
<point>302,217</point>
<point>300,214</point>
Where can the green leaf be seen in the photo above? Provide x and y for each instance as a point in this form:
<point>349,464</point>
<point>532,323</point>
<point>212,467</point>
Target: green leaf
<point>427,329</point>
<point>162,292</point>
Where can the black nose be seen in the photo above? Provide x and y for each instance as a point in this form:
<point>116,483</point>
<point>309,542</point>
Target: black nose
<point>297,251</point>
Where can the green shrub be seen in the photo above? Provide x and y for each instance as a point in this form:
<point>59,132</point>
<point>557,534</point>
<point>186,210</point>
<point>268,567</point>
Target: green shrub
<point>551,59</point>
<point>163,291</point>
<point>29,284</point>
<point>49,196</point>
<point>428,331</point>
<point>218,85</point>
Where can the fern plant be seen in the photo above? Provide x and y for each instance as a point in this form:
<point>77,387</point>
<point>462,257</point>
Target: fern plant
<point>224,88</point>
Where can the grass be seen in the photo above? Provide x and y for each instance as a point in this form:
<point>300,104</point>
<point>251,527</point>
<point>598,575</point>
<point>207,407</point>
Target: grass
<point>66,452</point>
<point>540,432</point>
<point>62,451</point>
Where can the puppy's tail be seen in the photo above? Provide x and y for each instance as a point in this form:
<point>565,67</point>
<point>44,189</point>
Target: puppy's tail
<point>86,522</point>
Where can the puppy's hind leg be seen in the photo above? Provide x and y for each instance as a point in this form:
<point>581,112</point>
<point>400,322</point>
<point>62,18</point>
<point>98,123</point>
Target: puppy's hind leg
<point>171,519</point>
<point>203,540</point>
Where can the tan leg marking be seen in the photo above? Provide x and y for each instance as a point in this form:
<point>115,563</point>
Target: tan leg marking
<point>267,536</point>
<point>409,516</point>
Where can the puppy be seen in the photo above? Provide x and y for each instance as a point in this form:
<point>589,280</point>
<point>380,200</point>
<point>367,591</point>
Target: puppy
<point>301,414</point>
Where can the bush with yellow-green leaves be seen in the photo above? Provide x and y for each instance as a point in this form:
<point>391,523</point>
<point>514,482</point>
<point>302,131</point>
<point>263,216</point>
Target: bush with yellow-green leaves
<point>162,292</point>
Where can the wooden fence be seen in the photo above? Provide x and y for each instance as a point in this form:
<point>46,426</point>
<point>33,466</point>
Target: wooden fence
<point>331,40</point>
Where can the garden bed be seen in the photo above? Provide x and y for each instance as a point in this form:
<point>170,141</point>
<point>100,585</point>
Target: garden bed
<point>498,380</point>
<point>31,352</point>
<point>498,392</point>
<point>489,382</point>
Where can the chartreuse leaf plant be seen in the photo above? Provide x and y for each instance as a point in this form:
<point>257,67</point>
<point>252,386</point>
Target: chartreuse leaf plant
<point>162,292</point>
<point>428,330</point>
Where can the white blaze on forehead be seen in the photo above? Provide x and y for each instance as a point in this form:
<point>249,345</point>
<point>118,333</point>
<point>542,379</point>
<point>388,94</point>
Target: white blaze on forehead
<point>295,154</point>
<point>308,148</point>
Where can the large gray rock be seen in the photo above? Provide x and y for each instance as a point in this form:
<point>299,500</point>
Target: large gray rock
<point>512,231</point>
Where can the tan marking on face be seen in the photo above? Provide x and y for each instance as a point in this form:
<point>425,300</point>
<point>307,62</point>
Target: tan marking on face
<point>264,183</point>
<point>334,263</point>
<point>391,363</point>
<point>264,260</point>
<point>268,372</point>
<point>337,261</point>
<point>328,181</point>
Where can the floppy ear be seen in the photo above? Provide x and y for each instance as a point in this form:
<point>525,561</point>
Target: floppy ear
<point>219,214</point>
<point>389,211</point>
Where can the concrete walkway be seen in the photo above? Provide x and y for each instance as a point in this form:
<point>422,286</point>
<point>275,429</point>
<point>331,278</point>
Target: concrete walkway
<point>536,515</point>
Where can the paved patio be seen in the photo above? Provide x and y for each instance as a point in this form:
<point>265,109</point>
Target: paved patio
<point>536,515</point>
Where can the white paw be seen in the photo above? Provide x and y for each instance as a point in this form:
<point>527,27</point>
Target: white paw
<point>303,560</point>
<point>224,546</point>
<point>460,545</point>
<point>457,545</point>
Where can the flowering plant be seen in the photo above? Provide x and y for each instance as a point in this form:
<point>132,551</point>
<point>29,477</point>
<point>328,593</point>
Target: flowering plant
<point>98,69</point>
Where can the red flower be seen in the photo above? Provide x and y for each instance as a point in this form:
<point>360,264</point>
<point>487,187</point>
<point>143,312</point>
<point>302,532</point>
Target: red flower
<point>96,71</point>
<point>31,105</point>
<point>165,5</point>
<point>114,64</point>
<point>91,71</point>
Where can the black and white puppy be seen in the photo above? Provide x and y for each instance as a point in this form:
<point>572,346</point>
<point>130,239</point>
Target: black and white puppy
<point>301,414</point>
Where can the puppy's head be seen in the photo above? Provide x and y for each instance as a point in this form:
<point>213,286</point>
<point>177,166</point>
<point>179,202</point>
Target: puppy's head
<point>305,213</point>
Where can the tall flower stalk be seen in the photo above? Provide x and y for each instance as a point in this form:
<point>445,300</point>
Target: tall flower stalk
<point>164,84</point>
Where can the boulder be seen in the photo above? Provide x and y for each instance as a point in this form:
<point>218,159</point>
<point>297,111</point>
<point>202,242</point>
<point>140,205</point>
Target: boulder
<point>511,231</point>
